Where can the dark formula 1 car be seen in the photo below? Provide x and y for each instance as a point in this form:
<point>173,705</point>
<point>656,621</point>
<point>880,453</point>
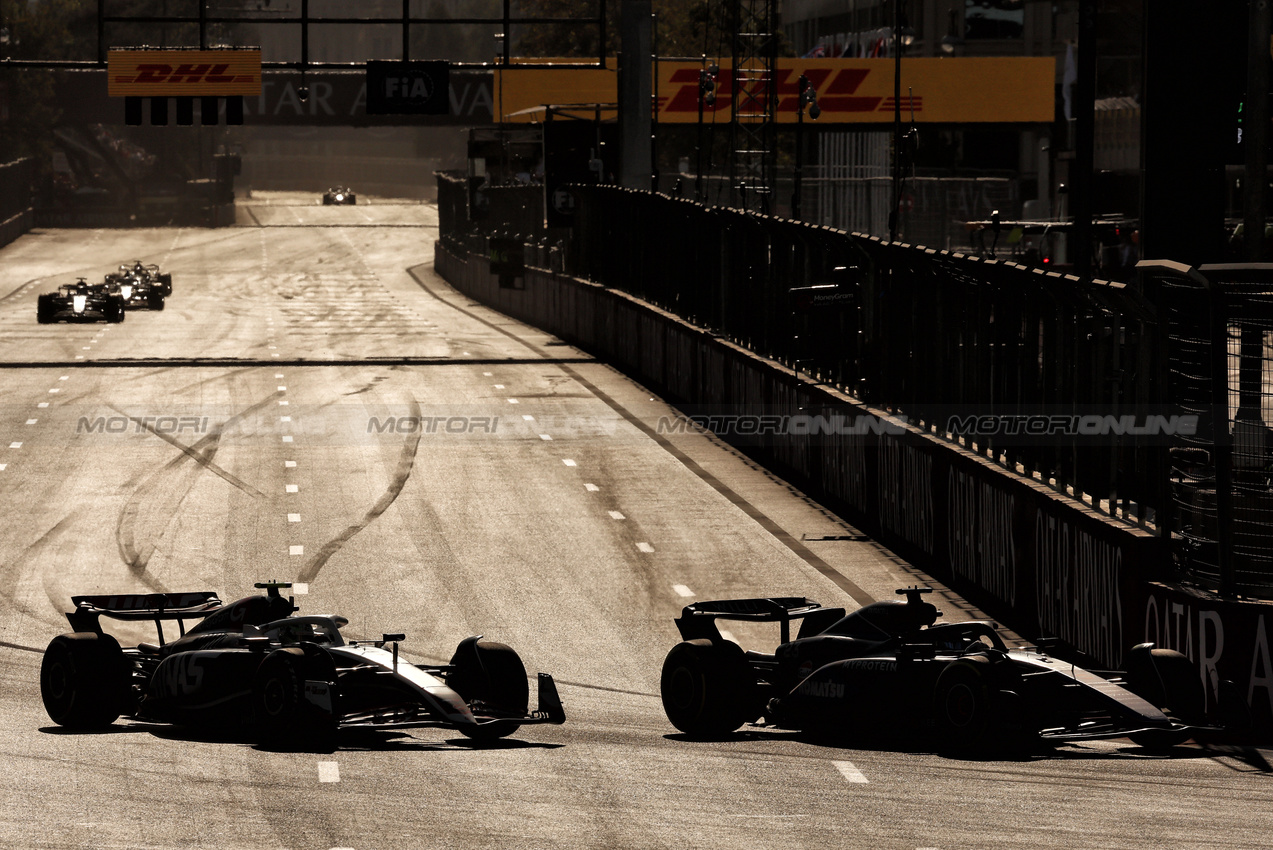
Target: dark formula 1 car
<point>339,195</point>
<point>149,273</point>
<point>254,665</point>
<point>139,291</point>
<point>80,302</point>
<point>887,668</point>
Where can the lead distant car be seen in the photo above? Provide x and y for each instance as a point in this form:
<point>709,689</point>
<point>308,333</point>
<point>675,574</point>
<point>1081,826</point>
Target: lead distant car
<point>80,302</point>
<point>339,195</point>
<point>252,665</point>
<point>886,667</point>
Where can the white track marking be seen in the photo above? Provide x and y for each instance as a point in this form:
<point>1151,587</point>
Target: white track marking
<point>499,386</point>
<point>55,390</point>
<point>293,517</point>
<point>32,421</point>
<point>328,771</point>
<point>284,403</point>
<point>849,771</point>
<point>43,404</point>
<point>285,419</point>
<point>65,378</point>
<point>527,417</point>
<point>645,547</point>
<point>616,515</point>
<point>290,464</point>
<point>300,588</point>
<point>591,488</point>
<point>287,438</point>
<point>513,401</point>
<point>291,488</point>
<point>278,374</point>
<point>296,550</point>
<point>3,467</point>
<point>682,590</point>
<point>568,462</point>
<point>15,445</point>
<point>545,436</point>
<point>282,389</point>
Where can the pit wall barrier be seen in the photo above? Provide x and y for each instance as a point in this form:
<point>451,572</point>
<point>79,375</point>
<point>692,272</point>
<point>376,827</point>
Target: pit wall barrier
<point>1049,565</point>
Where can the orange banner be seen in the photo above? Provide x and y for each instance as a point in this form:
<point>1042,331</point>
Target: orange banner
<point>1008,90</point>
<point>183,73</point>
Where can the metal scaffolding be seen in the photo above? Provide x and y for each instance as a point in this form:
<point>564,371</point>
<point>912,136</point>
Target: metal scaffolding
<point>754,104</point>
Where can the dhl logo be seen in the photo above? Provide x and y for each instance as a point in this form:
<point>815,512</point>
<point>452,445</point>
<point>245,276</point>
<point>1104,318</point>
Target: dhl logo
<point>837,91</point>
<point>154,73</point>
<point>189,73</point>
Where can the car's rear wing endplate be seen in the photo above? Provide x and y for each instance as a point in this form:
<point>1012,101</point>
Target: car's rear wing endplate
<point>140,606</point>
<point>699,619</point>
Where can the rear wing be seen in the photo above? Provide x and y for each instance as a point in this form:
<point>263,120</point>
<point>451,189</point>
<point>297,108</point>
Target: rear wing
<point>699,619</point>
<point>142,606</point>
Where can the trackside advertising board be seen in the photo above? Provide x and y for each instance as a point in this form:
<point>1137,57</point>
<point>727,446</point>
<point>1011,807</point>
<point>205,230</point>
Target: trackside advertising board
<point>183,73</point>
<point>1008,90</point>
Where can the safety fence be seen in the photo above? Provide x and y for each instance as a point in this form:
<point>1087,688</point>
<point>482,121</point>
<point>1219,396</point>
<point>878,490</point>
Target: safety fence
<point>15,199</point>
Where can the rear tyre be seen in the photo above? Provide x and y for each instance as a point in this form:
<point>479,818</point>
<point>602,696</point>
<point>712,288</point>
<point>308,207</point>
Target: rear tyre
<point>84,680</point>
<point>963,705</point>
<point>165,284</point>
<point>490,676</point>
<point>707,687</point>
<point>1167,680</point>
<point>114,310</point>
<point>44,309</point>
<point>156,301</point>
<point>278,694</point>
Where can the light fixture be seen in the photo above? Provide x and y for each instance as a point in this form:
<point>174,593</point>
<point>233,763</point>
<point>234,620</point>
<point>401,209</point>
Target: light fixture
<point>951,42</point>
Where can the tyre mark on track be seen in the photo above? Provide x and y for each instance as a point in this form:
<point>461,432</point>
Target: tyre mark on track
<point>202,453</point>
<point>32,551</point>
<point>406,463</point>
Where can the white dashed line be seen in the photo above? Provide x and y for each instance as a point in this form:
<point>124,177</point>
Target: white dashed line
<point>287,438</point>
<point>65,378</point>
<point>293,517</point>
<point>291,488</point>
<point>290,464</point>
<point>284,403</point>
<point>296,550</point>
<point>616,515</point>
<point>568,462</point>
<point>278,374</point>
<point>285,419</point>
<point>849,771</point>
<point>545,436</point>
<point>682,590</point>
<point>300,588</point>
<point>528,417</point>
<point>591,488</point>
<point>3,467</point>
<point>32,421</point>
<point>513,401</point>
<point>328,771</point>
<point>645,547</point>
<point>282,389</point>
<point>43,404</point>
<point>55,390</point>
<point>15,445</point>
<point>484,374</point>
<point>86,348</point>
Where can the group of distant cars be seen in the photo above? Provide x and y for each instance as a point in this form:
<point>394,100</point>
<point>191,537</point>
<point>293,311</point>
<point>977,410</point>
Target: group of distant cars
<point>134,286</point>
<point>339,196</point>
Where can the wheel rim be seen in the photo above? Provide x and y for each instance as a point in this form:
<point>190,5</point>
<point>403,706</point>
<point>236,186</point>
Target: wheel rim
<point>682,687</point>
<point>273,697</point>
<point>961,705</point>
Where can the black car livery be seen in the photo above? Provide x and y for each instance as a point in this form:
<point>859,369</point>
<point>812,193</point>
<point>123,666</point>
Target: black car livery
<point>80,302</point>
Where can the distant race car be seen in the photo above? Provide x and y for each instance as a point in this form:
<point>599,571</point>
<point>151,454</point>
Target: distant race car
<point>80,302</point>
<point>886,667</point>
<point>255,666</point>
<point>339,195</point>
<point>138,289</point>
<point>150,273</point>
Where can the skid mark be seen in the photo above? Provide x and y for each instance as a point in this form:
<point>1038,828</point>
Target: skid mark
<point>406,462</point>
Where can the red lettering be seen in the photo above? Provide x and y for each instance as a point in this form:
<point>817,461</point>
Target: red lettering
<point>152,73</point>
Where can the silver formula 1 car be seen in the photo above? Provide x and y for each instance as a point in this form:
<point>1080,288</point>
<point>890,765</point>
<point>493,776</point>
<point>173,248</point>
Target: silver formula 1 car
<point>80,302</point>
<point>339,195</point>
<point>254,665</point>
<point>887,669</point>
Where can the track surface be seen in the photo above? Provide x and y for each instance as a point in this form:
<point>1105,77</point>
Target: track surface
<point>264,430</point>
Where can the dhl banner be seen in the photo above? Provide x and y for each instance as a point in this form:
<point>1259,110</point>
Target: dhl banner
<point>850,91</point>
<point>183,73</point>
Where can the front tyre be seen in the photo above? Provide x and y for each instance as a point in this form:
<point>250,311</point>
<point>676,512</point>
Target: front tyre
<point>705,688</point>
<point>1167,680</point>
<point>84,680</point>
<point>490,677</point>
